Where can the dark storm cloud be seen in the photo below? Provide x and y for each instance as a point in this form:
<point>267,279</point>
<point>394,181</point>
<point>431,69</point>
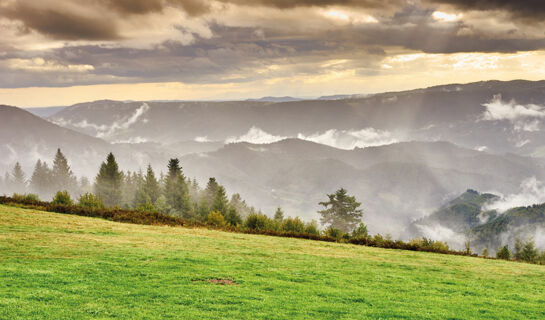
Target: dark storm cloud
<point>192,7</point>
<point>235,51</point>
<point>59,24</point>
<point>287,4</point>
<point>525,9</point>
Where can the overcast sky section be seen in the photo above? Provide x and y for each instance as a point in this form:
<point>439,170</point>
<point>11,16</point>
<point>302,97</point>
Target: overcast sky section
<point>57,52</point>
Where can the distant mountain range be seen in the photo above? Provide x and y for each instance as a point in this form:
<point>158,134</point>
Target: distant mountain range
<point>495,116</point>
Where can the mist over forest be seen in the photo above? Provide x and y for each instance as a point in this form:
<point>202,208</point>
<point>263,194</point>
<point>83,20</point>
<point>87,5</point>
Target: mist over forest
<point>404,155</point>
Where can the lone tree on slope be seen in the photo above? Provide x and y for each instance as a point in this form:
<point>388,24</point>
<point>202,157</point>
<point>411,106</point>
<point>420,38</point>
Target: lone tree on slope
<point>341,211</point>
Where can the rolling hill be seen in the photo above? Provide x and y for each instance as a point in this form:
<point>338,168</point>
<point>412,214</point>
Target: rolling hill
<point>62,266</point>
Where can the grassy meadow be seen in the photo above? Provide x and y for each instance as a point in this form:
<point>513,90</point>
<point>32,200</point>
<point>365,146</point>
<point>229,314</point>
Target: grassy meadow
<point>55,266</point>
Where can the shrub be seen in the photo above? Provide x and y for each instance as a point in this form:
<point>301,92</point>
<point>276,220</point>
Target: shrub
<point>293,225</point>
<point>312,228</point>
<point>360,231</point>
<point>334,233</point>
<point>216,219</point>
<point>26,198</point>
<point>233,217</point>
<point>485,253</point>
<point>257,221</point>
<point>146,207</point>
<point>89,200</point>
<point>504,253</point>
<point>62,198</point>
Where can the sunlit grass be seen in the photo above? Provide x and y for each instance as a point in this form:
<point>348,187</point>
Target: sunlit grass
<point>62,266</point>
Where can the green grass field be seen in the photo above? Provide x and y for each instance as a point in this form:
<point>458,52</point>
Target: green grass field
<point>55,266</point>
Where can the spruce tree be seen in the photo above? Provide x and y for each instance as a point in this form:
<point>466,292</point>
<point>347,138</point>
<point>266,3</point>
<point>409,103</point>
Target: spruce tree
<point>18,180</point>
<point>341,211</point>
<point>220,202</point>
<point>61,174</point>
<point>279,215</point>
<point>109,182</point>
<point>176,190</point>
<point>211,190</point>
<point>40,182</point>
<point>151,185</point>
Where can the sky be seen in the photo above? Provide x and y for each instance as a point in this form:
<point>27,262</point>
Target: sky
<point>61,52</point>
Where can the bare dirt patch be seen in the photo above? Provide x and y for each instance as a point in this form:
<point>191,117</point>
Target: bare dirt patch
<point>219,281</point>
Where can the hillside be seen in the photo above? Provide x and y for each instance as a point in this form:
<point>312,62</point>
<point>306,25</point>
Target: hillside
<point>26,137</point>
<point>467,214</point>
<point>61,266</point>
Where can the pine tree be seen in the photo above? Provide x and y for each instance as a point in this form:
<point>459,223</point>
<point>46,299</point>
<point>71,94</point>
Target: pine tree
<point>341,211</point>
<point>220,202</point>
<point>109,182</point>
<point>151,185</point>
<point>279,215</point>
<point>240,205</point>
<point>62,176</point>
<point>203,209</point>
<point>18,180</point>
<point>211,190</point>
<point>176,190</point>
<point>40,182</point>
<point>85,186</point>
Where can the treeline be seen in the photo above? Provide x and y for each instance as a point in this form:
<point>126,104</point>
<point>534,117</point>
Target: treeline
<point>523,251</point>
<point>171,193</point>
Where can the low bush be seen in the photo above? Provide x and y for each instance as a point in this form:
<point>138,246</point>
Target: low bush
<point>89,200</point>
<point>216,219</point>
<point>62,198</point>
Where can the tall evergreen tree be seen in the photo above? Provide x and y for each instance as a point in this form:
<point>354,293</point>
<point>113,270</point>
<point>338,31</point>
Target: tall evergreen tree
<point>211,190</point>
<point>220,203</point>
<point>149,190</point>
<point>151,185</point>
<point>240,205</point>
<point>109,182</point>
<point>40,182</point>
<point>341,211</point>
<point>176,190</point>
<point>18,180</point>
<point>279,215</point>
<point>62,176</point>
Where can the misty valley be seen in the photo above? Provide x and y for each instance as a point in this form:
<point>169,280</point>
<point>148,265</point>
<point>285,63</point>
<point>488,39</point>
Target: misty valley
<point>455,163</point>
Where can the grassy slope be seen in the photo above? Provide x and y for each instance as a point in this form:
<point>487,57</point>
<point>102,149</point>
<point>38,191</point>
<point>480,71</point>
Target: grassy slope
<point>61,266</point>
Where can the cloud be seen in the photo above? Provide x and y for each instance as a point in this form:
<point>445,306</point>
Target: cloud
<point>106,131</point>
<point>255,136</point>
<point>532,191</point>
<point>42,65</point>
<point>523,117</point>
<point>528,9</point>
<point>341,139</point>
<point>350,139</point>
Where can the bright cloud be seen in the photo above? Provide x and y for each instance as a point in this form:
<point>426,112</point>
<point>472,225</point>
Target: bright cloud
<point>257,136</point>
<point>350,139</point>
<point>532,191</point>
<point>523,117</point>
